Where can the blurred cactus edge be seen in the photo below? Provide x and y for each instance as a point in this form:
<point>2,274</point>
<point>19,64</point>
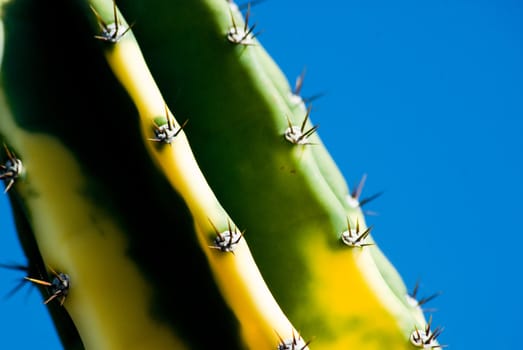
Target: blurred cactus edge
<point>170,189</point>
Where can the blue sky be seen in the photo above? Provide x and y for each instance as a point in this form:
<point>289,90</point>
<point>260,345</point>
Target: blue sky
<point>426,98</point>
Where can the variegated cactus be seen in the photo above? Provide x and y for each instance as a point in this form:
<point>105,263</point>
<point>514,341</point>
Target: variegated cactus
<point>171,191</point>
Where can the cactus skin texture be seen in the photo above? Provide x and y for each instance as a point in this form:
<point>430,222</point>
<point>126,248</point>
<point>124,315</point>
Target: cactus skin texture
<point>234,230</point>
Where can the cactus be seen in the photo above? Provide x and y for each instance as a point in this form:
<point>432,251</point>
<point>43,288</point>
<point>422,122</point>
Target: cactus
<point>170,190</point>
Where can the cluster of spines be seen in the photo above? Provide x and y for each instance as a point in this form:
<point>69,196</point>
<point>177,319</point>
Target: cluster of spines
<point>11,170</point>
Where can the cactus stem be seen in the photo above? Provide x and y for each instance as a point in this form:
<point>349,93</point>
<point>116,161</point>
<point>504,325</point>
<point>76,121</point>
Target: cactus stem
<point>226,240</point>
<point>242,36</point>
<point>59,286</point>
<point>355,238</point>
<point>426,339</point>
<point>298,135</point>
<point>166,133</point>
<point>11,169</point>
<point>111,32</point>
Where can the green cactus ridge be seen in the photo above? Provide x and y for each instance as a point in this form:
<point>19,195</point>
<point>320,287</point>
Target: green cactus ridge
<point>165,165</point>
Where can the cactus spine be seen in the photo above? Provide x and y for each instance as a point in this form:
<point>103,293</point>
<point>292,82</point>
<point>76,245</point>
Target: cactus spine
<point>142,211</point>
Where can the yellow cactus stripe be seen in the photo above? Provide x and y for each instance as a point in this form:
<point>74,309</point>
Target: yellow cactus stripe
<point>243,287</point>
<point>109,297</point>
<point>347,282</point>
